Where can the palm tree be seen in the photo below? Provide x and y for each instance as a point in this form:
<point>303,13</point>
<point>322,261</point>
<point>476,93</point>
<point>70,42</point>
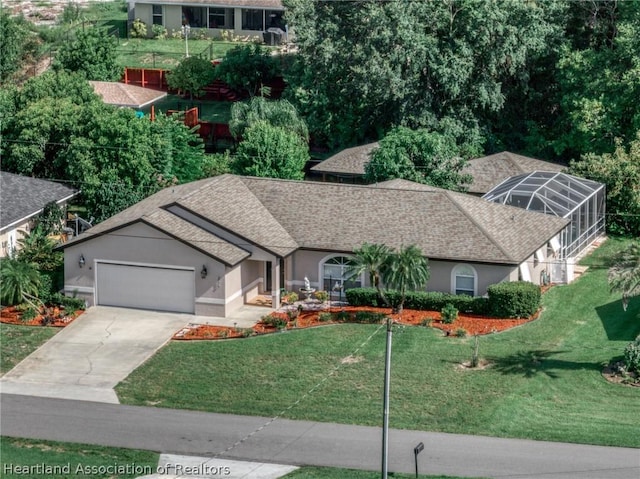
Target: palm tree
<point>624,276</point>
<point>370,259</point>
<point>20,282</point>
<point>38,248</point>
<point>406,270</point>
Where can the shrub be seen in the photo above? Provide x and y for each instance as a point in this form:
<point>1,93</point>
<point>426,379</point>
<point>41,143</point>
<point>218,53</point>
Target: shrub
<point>289,297</point>
<point>29,314</point>
<point>426,322</point>
<point>343,316</point>
<point>518,299</point>
<point>159,32</point>
<point>461,333</point>
<point>632,356</point>
<point>138,29</point>
<point>70,304</point>
<point>324,317</point>
<point>419,300</point>
<point>276,320</point>
<point>45,291</point>
<point>293,314</point>
<point>321,296</point>
<point>369,317</point>
<point>449,314</point>
<point>246,332</point>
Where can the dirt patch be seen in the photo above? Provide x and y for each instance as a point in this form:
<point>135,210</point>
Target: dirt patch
<point>472,324</point>
<point>351,359</point>
<point>615,373</point>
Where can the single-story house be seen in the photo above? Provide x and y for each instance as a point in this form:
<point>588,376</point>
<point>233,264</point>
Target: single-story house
<point>210,246</point>
<point>22,199</point>
<point>240,17</point>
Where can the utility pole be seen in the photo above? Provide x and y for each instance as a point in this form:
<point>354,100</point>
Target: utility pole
<point>385,415</point>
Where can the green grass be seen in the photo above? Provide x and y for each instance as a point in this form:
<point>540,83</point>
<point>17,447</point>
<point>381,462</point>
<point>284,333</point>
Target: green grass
<point>213,111</point>
<point>544,381</point>
<point>19,454</point>
<point>334,473</point>
<point>17,342</point>
<point>167,53</point>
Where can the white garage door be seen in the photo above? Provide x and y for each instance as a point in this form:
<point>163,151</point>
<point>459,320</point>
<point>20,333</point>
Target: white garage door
<point>145,287</point>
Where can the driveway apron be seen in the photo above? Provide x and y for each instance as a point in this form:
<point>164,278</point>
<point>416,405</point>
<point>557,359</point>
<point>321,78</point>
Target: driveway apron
<point>88,358</point>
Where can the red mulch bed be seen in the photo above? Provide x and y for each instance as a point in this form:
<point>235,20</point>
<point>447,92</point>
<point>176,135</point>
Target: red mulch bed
<point>10,315</point>
<point>473,324</point>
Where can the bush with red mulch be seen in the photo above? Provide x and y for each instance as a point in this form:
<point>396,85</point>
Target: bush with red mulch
<point>50,316</point>
<point>472,324</point>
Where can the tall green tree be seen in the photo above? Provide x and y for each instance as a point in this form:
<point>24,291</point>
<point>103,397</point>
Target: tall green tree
<point>17,43</point>
<point>624,276</point>
<point>365,66</point>
<point>191,75</point>
<point>247,68</point>
<point>418,155</point>
<point>93,53</point>
<point>620,172</point>
<point>271,151</point>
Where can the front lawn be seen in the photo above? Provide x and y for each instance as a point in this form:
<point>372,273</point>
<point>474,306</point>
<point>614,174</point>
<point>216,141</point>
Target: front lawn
<point>543,379</point>
<point>17,342</point>
<point>334,473</point>
<point>28,458</point>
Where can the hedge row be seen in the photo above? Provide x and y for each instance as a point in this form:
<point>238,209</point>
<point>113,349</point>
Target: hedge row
<point>505,300</point>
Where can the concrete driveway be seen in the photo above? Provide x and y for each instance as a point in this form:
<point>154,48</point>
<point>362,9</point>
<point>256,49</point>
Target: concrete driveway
<point>89,357</point>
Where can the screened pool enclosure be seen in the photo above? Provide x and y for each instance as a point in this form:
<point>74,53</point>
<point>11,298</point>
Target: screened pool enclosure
<point>582,201</point>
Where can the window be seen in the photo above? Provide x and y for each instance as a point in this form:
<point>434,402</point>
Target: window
<point>335,270</point>
<point>252,19</point>
<point>156,12</point>
<point>464,280</point>
<point>217,18</point>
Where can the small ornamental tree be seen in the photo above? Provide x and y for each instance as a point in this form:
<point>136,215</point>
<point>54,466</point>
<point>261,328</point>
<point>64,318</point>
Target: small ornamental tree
<point>191,75</point>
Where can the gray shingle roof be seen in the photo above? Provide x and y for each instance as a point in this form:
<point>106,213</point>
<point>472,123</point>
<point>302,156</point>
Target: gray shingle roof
<point>22,197</point>
<point>351,161</point>
<point>282,216</point>
<point>491,170</point>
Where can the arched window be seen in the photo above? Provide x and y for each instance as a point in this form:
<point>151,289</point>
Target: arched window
<point>334,270</point>
<point>464,280</point>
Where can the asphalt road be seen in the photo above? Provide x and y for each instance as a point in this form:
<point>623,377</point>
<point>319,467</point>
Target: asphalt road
<point>306,443</point>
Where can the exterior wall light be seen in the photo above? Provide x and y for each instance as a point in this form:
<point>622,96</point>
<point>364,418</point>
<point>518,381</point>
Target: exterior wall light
<point>81,261</point>
<point>204,272</point>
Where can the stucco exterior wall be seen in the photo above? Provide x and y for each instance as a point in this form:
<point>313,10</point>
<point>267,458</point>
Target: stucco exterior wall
<point>309,264</point>
<point>9,239</point>
<point>142,244</point>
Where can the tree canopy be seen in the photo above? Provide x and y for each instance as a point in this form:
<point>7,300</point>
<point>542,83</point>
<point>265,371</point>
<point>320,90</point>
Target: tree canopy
<point>247,68</point>
<point>92,53</point>
<point>280,113</point>
<point>17,42</point>
<point>420,155</point>
<point>191,75</point>
<point>111,155</point>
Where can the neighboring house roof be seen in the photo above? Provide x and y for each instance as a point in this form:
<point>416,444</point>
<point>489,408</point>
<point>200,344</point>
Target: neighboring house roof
<point>22,197</point>
<point>282,216</point>
<point>120,94</point>
<point>351,161</point>
<point>273,4</point>
<point>491,170</point>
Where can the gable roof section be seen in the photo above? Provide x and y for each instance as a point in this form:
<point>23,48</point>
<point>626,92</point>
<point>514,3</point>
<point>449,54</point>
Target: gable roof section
<point>351,161</point>
<point>22,197</point>
<point>282,216</point>
<point>196,237</point>
<point>489,171</point>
